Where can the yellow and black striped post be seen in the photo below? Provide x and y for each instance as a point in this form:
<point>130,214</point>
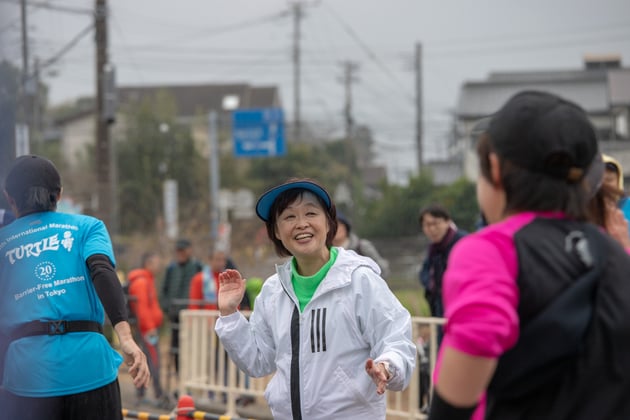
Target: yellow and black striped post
<point>193,414</point>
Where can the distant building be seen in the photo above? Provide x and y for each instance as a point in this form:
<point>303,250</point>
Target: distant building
<point>75,127</point>
<point>602,88</point>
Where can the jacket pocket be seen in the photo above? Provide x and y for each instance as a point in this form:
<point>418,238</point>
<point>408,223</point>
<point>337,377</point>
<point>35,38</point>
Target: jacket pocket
<point>278,396</point>
<point>352,389</point>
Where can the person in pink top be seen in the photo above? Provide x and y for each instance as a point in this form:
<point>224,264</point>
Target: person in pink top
<point>538,302</point>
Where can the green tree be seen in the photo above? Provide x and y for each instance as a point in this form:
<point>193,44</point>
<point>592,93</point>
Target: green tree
<point>303,161</point>
<point>460,199</point>
<point>9,82</point>
<point>154,148</point>
<point>396,214</point>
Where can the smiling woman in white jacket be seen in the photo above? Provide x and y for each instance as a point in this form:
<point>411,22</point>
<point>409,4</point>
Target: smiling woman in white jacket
<point>326,323</point>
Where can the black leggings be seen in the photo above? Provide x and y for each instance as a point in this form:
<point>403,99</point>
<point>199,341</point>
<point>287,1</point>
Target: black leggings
<point>98,404</point>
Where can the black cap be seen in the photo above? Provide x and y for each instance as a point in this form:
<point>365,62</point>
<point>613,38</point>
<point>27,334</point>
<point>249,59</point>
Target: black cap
<point>31,171</point>
<point>182,244</point>
<point>544,133</point>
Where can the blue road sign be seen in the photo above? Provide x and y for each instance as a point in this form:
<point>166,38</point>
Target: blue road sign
<point>258,132</point>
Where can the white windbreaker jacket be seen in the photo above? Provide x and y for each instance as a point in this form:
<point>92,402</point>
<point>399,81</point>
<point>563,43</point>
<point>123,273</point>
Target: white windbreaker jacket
<point>319,355</point>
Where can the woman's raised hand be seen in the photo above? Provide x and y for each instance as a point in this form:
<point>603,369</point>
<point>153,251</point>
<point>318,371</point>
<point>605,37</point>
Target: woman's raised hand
<point>231,291</point>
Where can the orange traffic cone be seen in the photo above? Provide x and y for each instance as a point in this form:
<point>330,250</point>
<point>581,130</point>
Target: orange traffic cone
<point>185,405</point>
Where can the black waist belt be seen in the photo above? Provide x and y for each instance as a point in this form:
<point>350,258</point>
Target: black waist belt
<point>54,328</point>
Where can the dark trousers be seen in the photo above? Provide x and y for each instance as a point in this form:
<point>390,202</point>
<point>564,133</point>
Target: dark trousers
<point>98,404</point>
<point>152,352</point>
<point>175,342</point>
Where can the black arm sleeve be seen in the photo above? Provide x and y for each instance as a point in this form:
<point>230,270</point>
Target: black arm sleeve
<point>442,410</point>
<point>108,287</point>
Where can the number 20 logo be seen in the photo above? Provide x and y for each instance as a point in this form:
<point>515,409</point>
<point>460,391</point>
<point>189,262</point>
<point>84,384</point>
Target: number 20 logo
<point>45,270</point>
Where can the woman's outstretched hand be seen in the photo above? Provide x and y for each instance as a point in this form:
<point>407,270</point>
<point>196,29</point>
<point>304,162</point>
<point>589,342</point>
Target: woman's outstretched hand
<point>379,374</point>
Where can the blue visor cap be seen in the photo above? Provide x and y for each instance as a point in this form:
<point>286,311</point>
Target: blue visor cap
<point>263,207</point>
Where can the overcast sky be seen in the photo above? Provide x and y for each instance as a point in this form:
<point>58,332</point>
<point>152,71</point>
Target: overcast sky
<point>214,41</point>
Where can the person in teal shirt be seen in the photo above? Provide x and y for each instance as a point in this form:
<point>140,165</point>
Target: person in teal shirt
<point>57,281</point>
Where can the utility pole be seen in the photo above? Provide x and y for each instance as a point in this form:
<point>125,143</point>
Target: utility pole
<point>25,69</point>
<point>22,129</point>
<point>349,76</point>
<point>102,153</point>
<point>418,66</point>
<point>9,97</point>
<point>297,17</point>
<point>35,129</point>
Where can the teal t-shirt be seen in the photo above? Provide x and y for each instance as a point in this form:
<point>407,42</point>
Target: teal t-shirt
<point>44,276</point>
<point>305,286</point>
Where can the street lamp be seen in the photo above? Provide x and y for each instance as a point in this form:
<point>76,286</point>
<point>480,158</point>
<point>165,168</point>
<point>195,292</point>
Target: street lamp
<point>163,165</point>
<point>169,190</point>
<point>229,103</point>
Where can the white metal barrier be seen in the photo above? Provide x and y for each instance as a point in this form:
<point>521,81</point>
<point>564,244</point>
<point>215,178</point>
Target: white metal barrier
<point>204,367</point>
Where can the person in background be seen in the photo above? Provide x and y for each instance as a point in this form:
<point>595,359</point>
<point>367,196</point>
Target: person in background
<point>203,294</point>
<point>602,206</point>
<point>204,285</point>
<point>613,177</point>
<point>442,233</point>
<point>253,286</point>
<point>438,227</point>
<point>175,289</point>
<point>538,302</point>
<point>326,324</point>
<point>349,240</point>
<point>145,307</point>
<point>57,281</point>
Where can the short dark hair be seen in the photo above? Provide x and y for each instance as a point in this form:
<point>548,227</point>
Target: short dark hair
<point>36,199</point>
<point>281,203</point>
<point>434,210</point>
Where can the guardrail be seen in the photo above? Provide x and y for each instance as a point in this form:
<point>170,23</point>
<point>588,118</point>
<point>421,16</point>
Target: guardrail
<point>205,368</point>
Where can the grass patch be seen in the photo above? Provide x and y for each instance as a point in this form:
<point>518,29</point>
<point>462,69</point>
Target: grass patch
<point>413,300</point>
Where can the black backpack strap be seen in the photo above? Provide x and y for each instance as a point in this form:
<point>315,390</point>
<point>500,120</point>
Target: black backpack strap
<point>550,341</point>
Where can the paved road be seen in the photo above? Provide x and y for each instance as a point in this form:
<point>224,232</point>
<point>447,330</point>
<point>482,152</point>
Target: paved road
<point>258,410</point>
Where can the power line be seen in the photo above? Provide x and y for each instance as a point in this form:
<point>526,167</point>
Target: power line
<point>527,47</point>
<point>50,6</point>
<point>350,31</point>
<point>623,24</point>
<point>233,27</point>
<point>134,63</point>
<point>49,62</point>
